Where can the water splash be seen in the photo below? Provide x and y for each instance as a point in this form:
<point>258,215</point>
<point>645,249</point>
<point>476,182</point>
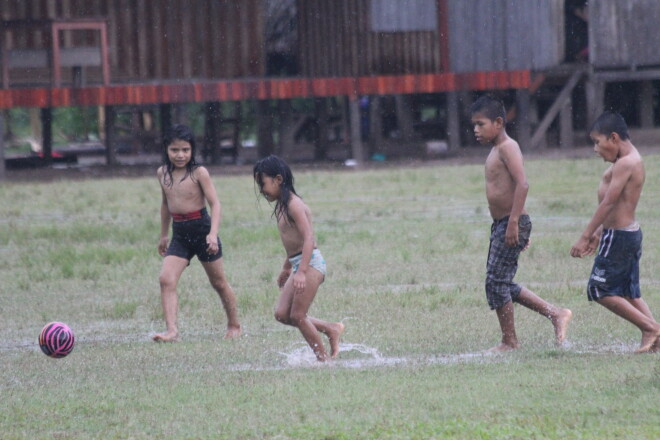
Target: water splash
<point>350,356</point>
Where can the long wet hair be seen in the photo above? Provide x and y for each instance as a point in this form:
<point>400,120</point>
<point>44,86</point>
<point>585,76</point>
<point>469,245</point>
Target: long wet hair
<point>183,133</point>
<point>272,166</point>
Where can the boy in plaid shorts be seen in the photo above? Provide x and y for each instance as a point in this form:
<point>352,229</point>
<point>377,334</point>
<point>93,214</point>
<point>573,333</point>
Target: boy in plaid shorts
<point>506,191</point>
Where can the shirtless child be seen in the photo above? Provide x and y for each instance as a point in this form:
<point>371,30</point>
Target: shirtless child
<point>613,229</point>
<point>186,188</point>
<point>304,268</point>
<point>506,191</point>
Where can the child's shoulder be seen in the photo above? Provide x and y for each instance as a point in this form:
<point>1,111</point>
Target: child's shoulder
<point>508,146</point>
<point>296,202</point>
<point>200,171</point>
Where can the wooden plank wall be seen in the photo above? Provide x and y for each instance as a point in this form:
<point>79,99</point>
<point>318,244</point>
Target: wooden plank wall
<point>486,35</point>
<point>160,39</point>
<point>624,34</point>
<point>336,39</point>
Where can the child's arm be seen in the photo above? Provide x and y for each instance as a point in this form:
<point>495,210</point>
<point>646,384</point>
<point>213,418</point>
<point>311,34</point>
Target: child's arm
<point>204,178</point>
<point>165,219</point>
<point>621,172</point>
<point>284,274</point>
<point>304,226</point>
<point>512,158</point>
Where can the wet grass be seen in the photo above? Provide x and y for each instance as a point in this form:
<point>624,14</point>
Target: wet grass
<point>406,250</point>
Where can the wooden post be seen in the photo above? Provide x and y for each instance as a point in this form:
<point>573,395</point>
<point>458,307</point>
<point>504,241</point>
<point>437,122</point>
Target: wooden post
<point>265,145</point>
<point>321,141</point>
<point>110,118</point>
<point>404,116</point>
<point>213,112</point>
<point>595,91</point>
<point>563,99</point>
<point>375,124</point>
<point>357,148</point>
<point>566,126</point>
<point>47,134</point>
<point>646,104</point>
<point>453,122</point>
<point>3,172</point>
<point>165,118</point>
<point>236,137</point>
<point>523,124</point>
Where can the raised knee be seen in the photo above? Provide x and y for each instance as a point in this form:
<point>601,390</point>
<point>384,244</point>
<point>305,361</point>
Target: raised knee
<point>282,317</point>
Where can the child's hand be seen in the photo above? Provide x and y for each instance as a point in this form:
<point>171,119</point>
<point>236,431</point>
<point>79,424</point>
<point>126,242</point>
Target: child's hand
<point>284,275</point>
<point>212,244</point>
<point>299,282</point>
<point>162,246</point>
<point>594,241</point>
<point>511,237</point>
<point>581,247</point>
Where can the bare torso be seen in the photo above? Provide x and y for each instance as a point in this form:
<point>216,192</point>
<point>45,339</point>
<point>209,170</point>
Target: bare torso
<point>182,196</point>
<point>500,185</point>
<point>291,236</point>
<point>623,212</point>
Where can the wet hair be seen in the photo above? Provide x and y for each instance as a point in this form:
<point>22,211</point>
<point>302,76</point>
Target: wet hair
<point>491,107</point>
<point>611,122</point>
<point>183,133</point>
<point>272,166</point>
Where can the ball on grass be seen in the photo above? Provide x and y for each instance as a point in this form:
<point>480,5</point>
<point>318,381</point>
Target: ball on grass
<point>56,339</point>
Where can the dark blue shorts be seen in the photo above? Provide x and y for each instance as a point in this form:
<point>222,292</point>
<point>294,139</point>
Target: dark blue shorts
<point>503,262</point>
<point>616,267</point>
<point>189,239</point>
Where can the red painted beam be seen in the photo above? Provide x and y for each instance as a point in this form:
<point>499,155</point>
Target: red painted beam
<point>285,88</point>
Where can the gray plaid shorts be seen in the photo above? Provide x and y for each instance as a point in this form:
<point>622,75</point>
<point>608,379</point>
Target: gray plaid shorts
<point>503,262</point>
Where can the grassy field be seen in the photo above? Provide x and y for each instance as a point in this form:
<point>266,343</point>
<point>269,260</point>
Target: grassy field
<point>406,250</point>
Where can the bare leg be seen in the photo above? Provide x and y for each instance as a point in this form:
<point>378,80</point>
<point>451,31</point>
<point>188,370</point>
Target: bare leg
<point>558,316</point>
<point>333,330</point>
<point>216,273</point>
<point>170,273</point>
<point>629,311</point>
<point>641,305</point>
<point>292,310</point>
<point>507,325</point>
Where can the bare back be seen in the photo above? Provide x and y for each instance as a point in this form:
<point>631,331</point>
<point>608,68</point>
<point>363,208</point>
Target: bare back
<point>622,185</point>
<point>504,172</point>
<point>183,196</point>
<point>293,234</point>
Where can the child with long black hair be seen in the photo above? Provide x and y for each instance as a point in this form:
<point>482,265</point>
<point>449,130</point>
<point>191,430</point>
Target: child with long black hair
<point>186,188</point>
<point>304,267</point>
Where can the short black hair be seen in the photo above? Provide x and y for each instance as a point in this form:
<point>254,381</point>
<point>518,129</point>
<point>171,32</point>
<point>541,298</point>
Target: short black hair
<point>492,107</point>
<point>611,122</point>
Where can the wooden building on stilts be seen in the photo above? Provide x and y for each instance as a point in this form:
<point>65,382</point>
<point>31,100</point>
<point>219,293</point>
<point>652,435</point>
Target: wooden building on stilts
<point>327,79</point>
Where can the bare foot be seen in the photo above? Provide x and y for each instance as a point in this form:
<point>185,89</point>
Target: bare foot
<point>560,322</point>
<point>502,348</point>
<point>334,335</point>
<point>166,337</point>
<point>233,332</point>
<point>656,347</point>
<point>649,341</point>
